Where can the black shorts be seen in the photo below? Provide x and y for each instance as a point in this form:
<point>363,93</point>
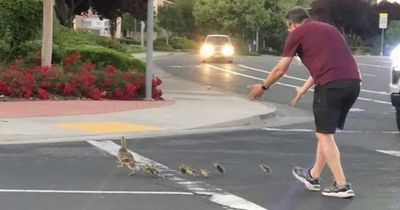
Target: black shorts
<point>332,102</point>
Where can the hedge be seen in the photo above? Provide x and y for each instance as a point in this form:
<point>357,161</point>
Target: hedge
<point>102,56</point>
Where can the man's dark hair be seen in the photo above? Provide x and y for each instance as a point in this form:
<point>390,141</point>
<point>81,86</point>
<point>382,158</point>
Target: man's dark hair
<point>297,15</point>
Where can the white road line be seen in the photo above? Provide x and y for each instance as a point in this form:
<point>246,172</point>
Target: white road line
<point>263,71</point>
<point>247,76</point>
<point>369,75</point>
<point>372,65</point>
<point>214,194</point>
<point>93,192</point>
<point>301,79</point>
<point>179,67</point>
<point>373,100</point>
<point>357,110</point>
<point>338,131</point>
<point>390,152</point>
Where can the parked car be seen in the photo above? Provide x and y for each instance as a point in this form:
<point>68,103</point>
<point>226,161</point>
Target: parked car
<point>217,47</point>
<point>395,82</point>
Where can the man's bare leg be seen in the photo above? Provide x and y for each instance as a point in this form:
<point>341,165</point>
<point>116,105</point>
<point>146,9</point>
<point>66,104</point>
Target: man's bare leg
<point>320,162</point>
<point>331,154</point>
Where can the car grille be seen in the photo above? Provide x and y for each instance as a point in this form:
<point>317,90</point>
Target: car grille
<point>218,48</point>
<point>395,76</point>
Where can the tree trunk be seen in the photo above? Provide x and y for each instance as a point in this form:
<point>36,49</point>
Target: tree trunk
<point>47,39</point>
<point>113,27</point>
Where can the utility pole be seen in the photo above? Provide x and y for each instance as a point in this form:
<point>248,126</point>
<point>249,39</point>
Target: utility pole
<point>47,37</point>
<point>149,56</point>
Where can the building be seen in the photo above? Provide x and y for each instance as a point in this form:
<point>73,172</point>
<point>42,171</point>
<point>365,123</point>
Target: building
<point>92,23</point>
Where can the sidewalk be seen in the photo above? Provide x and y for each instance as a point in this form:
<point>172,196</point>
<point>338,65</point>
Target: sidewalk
<point>189,108</point>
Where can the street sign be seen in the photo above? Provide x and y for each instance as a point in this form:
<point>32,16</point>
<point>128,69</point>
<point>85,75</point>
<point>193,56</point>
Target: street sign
<point>383,20</point>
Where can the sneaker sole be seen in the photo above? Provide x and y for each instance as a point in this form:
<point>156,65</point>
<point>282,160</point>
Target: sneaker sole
<point>306,183</point>
<point>347,194</point>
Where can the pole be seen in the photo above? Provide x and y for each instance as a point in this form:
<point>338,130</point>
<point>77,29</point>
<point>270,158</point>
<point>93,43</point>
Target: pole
<point>257,41</point>
<point>47,37</point>
<point>382,40</point>
<point>149,56</point>
<point>142,25</point>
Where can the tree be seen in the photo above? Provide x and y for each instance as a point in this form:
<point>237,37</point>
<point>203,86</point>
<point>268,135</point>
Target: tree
<point>351,17</point>
<point>274,33</point>
<point>235,17</point>
<point>393,33</point>
<point>393,9</point>
<point>20,21</point>
<point>178,18</point>
<point>67,9</point>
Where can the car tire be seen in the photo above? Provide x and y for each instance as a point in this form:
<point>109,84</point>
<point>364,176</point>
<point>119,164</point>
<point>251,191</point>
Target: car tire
<point>398,117</point>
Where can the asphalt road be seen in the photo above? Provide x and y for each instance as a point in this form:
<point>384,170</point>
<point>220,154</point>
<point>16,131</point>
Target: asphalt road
<point>372,111</point>
<point>84,175</point>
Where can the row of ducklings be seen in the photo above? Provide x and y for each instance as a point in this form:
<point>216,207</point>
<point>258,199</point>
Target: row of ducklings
<point>126,159</point>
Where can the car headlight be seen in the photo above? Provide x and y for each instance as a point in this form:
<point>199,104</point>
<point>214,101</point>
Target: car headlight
<point>227,50</point>
<point>395,56</point>
<point>207,50</point>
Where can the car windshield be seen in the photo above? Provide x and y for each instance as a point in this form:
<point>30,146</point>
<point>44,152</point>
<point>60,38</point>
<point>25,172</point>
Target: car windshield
<point>217,40</point>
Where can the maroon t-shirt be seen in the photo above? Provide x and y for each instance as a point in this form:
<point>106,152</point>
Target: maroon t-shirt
<point>323,51</point>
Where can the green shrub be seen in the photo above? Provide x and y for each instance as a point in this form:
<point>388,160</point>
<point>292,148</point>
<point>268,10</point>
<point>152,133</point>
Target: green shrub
<point>65,37</point>
<point>102,56</point>
<point>129,41</point>
<point>136,49</point>
<point>20,21</point>
<point>108,42</point>
<point>31,47</point>
<point>160,44</point>
<point>182,43</point>
<point>240,46</point>
<point>4,50</point>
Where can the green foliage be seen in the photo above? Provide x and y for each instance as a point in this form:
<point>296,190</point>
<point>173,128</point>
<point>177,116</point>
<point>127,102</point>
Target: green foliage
<point>178,18</point>
<point>65,38</point>
<point>393,33</point>
<point>240,46</point>
<point>182,43</point>
<point>231,16</point>
<point>4,49</point>
<point>160,44</point>
<point>102,57</point>
<point>20,21</point>
<point>128,22</point>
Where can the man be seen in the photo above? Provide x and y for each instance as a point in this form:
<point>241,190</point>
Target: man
<point>336,77</point>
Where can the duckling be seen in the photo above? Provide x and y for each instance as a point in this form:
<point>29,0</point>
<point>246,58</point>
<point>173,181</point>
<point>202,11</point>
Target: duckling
<point>219,168</point>
<point>204,172</point>
<point>182,169</point>
<point>265,168</point>
<point>187,170</point>
<point>151,169</point>
<point>125,158</point>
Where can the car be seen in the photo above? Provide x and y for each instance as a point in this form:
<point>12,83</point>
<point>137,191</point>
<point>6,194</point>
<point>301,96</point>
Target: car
<point>217,47</point>
<point>395,82</point>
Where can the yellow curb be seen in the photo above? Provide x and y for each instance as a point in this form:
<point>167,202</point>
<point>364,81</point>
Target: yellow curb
<point>108,127</point>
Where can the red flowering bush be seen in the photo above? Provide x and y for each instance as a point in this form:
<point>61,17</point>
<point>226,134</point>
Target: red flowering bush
<point>74,79</point>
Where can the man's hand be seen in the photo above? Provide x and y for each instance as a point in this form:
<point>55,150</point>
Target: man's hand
<point>297,97</point>
<point>256,91</point>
